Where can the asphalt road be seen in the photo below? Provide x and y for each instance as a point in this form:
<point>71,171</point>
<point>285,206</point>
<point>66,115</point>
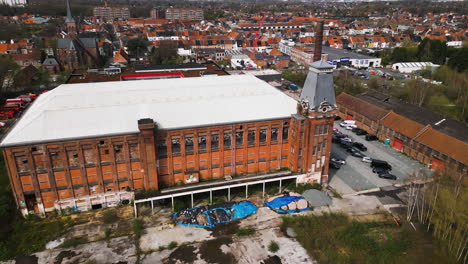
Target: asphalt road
<point>357,175</point>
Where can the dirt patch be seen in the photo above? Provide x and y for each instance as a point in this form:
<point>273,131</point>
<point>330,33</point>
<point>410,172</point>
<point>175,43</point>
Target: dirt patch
<point>64,255</point>
<point>184,254</point>
<point>26,260</point>
<point>211,251</point>
<point>224,229</point>
<point>272,260</point>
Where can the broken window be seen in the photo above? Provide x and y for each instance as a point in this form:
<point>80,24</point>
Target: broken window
<point>189,144</point>
<point>227,140</point>
<point>285,133</point>
<point>239,138</point>
<point>119,153</point>
<point>263,135</point>
<point>175,145</point>
<point>274,134</point>
<point>202,143</point>
<point>214,142</point>
<point>251,137</point>
<point>162,148</point>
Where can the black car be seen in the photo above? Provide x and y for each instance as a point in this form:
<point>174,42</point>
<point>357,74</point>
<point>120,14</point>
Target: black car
<point>379,170</point>
<point>381,164</point>
<point>334,165</point>
<point>370,137</point>
<point>346,145</point>
<point>387,176</point>
<point>359,146</point>
<point>359,131</point>
<point>355,152</point>
<point>339,134</point>
<point>335,139</point>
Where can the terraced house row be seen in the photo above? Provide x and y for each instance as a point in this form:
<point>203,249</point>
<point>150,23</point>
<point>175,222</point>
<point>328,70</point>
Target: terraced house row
<point>93,145</point>
<point>426,136</point>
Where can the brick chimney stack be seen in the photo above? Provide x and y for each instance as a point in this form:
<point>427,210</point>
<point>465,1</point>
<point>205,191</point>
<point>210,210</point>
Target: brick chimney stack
<point>318,41</point>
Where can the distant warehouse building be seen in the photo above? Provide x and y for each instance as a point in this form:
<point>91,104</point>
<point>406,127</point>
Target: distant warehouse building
<point>409,67</point>
<point>92,145</point>
<point>419,133</point>
<point>184,14</point>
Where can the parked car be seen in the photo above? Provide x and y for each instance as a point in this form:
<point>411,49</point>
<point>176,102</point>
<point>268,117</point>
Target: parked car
<point>345,144</point>
<point>360,146</point>
<point>338,160</point>
<point>355,152</point>
<point>350,127</point>
<point>370,137</point>
<point>367,159</point>
<point>359,131</point>
<point>334,165</point>
<point>387,176</point>
<point>346,139</point>
<point>379,170</point>
<point>335,139</point>
<point>339,134</point>
<point>346,123</point>
<point>381,164</point>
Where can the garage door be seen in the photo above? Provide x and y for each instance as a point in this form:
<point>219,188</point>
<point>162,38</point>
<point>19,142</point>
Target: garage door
<point>397,144</point>
<point>437,164</point>
<point>349,117</point>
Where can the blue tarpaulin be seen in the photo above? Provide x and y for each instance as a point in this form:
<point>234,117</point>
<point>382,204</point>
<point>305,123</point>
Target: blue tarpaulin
<point>282,204</point>
<point>211,215</point>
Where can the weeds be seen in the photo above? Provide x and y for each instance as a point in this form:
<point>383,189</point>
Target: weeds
<point>109,216</point>
<point>273,246</point>
<point>300,188</point>
<point>172,245</point>
<point>73,242</point>
<point>245,231</point>
<point>339,239</point>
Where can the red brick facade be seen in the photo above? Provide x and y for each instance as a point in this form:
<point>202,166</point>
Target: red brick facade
<point>102,171</point>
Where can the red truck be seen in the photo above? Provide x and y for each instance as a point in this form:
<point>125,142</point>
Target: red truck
<point>17,101</point>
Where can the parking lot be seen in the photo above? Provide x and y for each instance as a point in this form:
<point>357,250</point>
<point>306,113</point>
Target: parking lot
<point>357,175</point>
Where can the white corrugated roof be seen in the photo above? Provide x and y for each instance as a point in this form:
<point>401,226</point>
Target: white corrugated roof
<point>93,109</point>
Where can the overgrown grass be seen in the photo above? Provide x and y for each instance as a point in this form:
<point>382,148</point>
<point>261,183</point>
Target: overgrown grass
<point>109,216</point>
<point>335,238</point>
<point>273,246</point>
<point>245,231</point>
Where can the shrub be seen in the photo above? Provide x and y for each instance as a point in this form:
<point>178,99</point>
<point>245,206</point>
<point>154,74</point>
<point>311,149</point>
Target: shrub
<point>284,169</point>
<point>179,205</point>
<point>107,232</point>
<point>72,242</point>
<point>109,216</point>
<point>245,231</point>
<point>172,245</point>
<point>273,246</point>
<point>137,227</point>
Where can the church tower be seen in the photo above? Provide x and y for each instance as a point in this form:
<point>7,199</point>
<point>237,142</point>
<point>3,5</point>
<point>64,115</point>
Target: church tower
<point>314,121</point>
<point>71,24</point>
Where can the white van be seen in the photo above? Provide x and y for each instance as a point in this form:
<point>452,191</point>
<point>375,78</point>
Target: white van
<point>347,123</point>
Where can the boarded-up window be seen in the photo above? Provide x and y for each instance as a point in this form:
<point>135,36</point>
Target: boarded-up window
<point>39,163</point>
<point>72,156</point>
<point>89,157</point>
<point>57,162</point>
<point>22,164</point>
<point>119,153</point>
<point>134,151</point>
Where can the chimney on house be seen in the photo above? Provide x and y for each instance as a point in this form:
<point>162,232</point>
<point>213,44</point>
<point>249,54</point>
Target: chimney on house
<point>318,41</point>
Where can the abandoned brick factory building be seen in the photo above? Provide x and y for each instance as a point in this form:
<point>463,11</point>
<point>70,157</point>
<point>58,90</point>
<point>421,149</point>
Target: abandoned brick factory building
<point>90,145</point>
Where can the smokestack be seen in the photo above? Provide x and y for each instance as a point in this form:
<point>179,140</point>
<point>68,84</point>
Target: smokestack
<point>318,41</point>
